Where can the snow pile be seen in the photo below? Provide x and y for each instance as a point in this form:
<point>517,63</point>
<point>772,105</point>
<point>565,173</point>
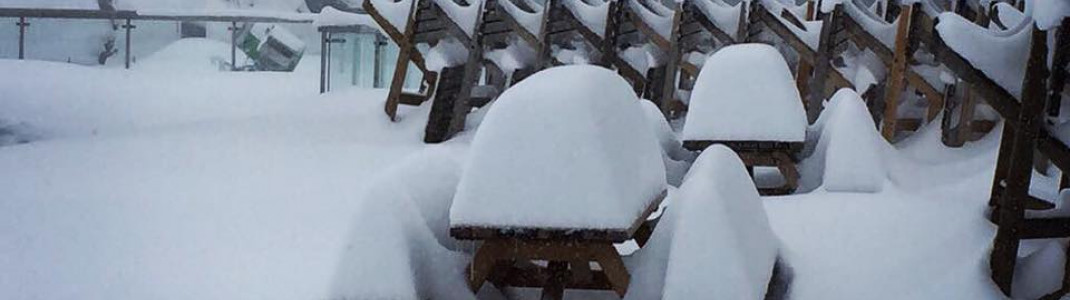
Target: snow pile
<point>745,93</point>
<point>715,241</point>
<point>722,15</point>
<point>465,16</point>
<point>1048,13</point>
<point>591,15</point>
<point>531,21</point>
<point>638,58</point>
<point>448,52</point>
<point>596,164</point>
<point>673,153</point>
<point>655,15</point>
<point>395,12</point>
<point>850,145</point>
<point>398,246</point>
<point>1000,55</point>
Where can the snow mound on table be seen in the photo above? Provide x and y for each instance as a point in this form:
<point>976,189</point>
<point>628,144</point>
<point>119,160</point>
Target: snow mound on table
<point>1000,55</point>
<point>850,148</point>
<point>715,241</point>
<point>399,246</point>
<point>595,164</point>
<point>746,93</point>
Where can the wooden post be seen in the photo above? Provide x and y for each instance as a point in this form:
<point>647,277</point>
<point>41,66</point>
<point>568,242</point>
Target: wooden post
<point>22,36</point>
<point>897,76</point>
<point>327,55</point>
<point>323,61</point>
<point>234,47</point>
<point>1011,209</point>
<point>128,27</point>
<point>1059,71</point>
<point>804,69</point>
<point>401,67</point>
<point>672,67</point>
<point>822,64</point>
<point>966,111</point>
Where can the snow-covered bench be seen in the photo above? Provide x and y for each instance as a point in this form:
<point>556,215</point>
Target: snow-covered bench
<point>562,188</point>
<point>746,99</point>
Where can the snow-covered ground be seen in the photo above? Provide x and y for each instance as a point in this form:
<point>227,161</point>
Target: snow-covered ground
<point>174,180</point>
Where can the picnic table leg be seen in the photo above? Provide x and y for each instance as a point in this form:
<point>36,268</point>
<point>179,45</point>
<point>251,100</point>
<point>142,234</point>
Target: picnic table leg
<point>788,170</point>
<point>555,285</point>
<point>483,262</point>
<point>613,266</point>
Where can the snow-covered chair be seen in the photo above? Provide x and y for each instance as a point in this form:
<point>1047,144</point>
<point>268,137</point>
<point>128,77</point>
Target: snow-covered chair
<point>893,44</point>
<point>452,72</point>
<point>812,41</point>
<point>591,22</point>
<point>658,28</point>
<point>519,40</point>
<point>746,99</point>
<point>562,189</point>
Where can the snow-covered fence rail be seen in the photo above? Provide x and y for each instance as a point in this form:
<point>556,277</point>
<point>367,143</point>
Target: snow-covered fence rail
<point>129,16</point>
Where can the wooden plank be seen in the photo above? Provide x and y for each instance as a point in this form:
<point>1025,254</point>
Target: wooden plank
<point>483,262</point>
<point>897,77</point>
<point>555,286</point>
<point>740,146</point>
<point>822,64</point>
<point>619,235</point>
<point>1011,210</point>
<point>613,266</point>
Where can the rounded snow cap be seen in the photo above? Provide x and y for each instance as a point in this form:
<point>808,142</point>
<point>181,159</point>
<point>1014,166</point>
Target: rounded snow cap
<point>568,147</point>
<point>746,92</point>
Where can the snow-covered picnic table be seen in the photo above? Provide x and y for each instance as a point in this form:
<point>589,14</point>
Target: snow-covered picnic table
<point>564,162</point>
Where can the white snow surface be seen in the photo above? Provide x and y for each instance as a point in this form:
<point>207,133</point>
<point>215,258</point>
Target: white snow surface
<point>447,53</point>
<point>718,205</point>
<point>745,92</point>
<point>591,15</point>
<point>596,164</point>
<point>852,148</point>
<point>1000,55</point>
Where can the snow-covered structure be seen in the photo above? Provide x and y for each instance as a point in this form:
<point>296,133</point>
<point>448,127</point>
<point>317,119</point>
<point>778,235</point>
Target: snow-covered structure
<point>596,164</point>
<point>746,93</point>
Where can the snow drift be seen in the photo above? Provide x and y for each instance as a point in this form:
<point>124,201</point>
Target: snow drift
<point>849,151</point>
<point>715,241</point>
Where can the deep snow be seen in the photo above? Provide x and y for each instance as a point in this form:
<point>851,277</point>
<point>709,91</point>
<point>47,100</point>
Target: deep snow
<point>157,183</point>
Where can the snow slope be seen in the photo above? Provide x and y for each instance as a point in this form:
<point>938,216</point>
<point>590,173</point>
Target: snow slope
<point>154,184</point>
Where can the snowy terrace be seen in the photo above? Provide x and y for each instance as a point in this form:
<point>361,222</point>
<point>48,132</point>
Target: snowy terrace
<point>177,178</point>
